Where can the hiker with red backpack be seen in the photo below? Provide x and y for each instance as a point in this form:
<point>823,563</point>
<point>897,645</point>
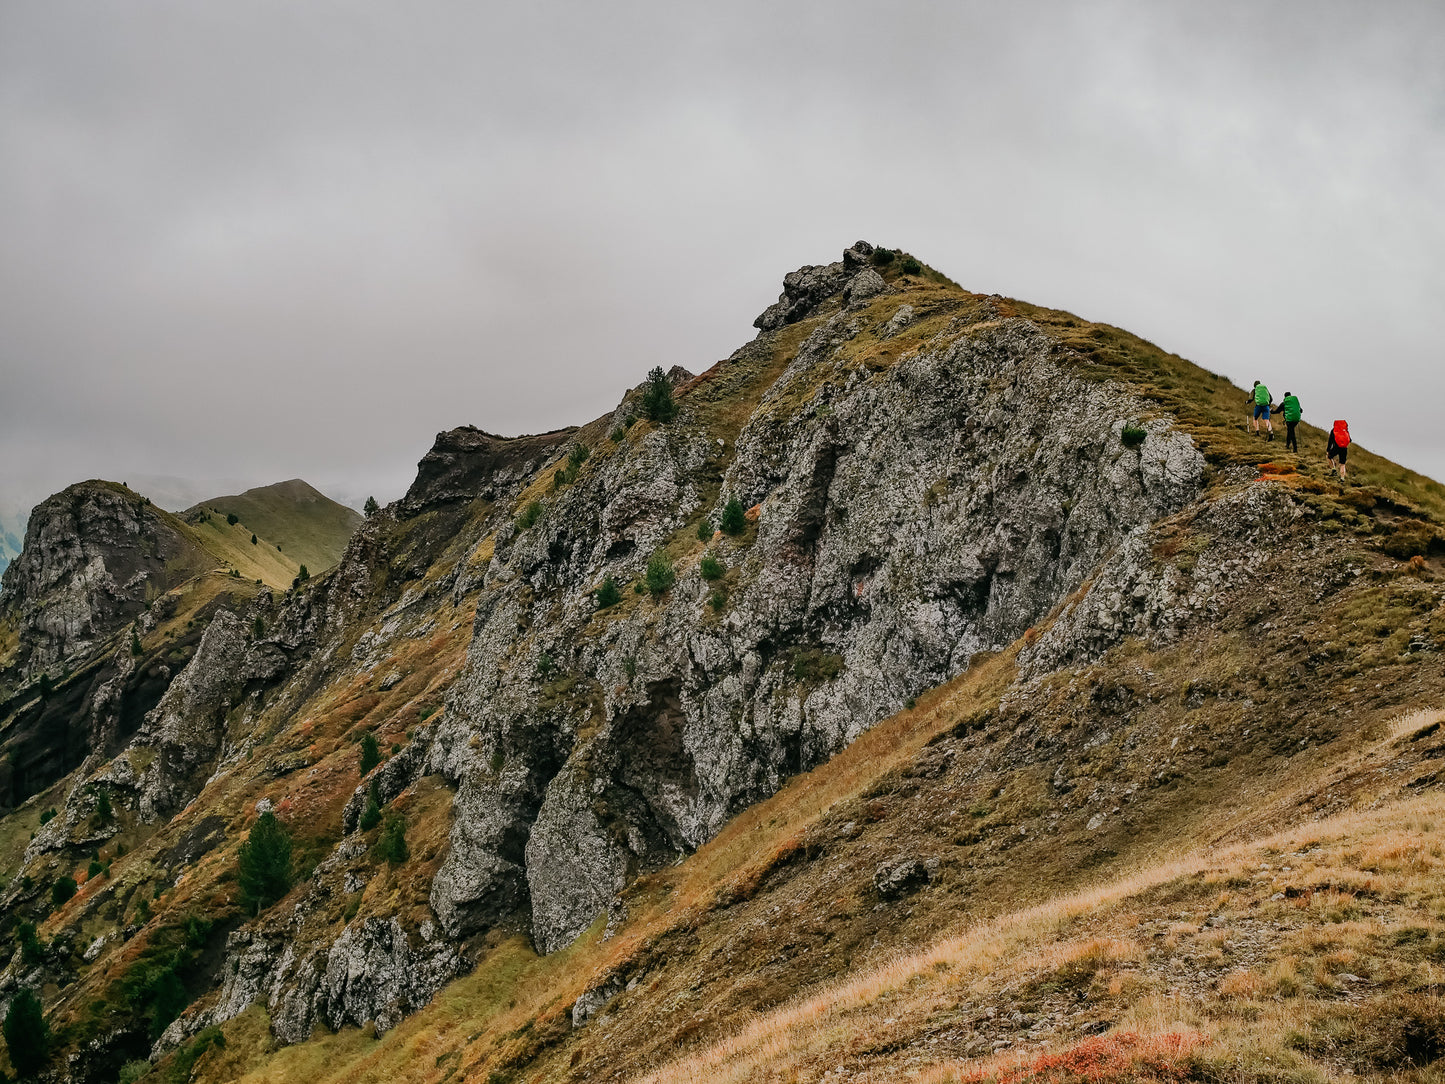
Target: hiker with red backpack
<point>1338,448</point>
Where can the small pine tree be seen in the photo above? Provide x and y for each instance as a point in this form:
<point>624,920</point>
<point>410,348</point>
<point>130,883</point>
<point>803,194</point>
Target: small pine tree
<point>371,814</point>
<point>46,687</point>
<point>608,594</point>
<point>711,568</point>
<point>392,844</point>
<point>704,530</point>
<point>26,1035</point>
<point>303,575</point>
<point>32,950</point>
<point>370,753</point>
<point>63,890</point>
<point>135,648</point>
<point>734,517</point>
<point>258,628</point>
<point>103,808</point>
<point>530,515</point>
<point>253,540</point>
<point>95,869</point>
<point>370,507</point>
<point>264,864</point>
<point>658,404</point>
<point>660,574</point>
<point>232,519</point>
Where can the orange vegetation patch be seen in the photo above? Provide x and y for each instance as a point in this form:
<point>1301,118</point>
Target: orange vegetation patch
<point>1275,469</point>
<point>1118,1057</point>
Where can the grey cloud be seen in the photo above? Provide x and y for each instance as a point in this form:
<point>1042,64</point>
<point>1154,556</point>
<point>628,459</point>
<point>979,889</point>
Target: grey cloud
<point>274,239</point>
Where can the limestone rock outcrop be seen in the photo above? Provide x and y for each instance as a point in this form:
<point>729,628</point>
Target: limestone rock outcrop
<point>95,555</point>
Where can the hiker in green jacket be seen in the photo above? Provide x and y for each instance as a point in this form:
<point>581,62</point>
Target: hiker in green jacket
<point>1262,399</point>
<point>1290,408</point>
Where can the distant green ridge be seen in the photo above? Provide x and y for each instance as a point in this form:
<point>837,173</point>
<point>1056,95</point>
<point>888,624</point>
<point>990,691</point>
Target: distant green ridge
<point>310,527</point>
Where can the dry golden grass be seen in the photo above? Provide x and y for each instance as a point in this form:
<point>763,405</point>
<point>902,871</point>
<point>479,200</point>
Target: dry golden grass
<point>783,1044</point>
<point>231,546</point>
<point>1412,722</point>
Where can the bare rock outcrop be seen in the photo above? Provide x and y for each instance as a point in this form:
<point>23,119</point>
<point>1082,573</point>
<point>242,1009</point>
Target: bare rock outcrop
<point>95,555</point>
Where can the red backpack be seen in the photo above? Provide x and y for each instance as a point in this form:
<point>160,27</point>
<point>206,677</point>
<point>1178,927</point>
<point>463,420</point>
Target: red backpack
<point>1341,433</point>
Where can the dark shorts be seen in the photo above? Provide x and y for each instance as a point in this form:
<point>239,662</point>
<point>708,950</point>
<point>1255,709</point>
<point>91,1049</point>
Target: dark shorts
<point>1334,451</point>
<point>1261,410</point>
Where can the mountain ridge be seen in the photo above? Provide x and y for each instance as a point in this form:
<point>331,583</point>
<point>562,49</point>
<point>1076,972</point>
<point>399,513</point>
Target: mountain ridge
<point>959,587</point>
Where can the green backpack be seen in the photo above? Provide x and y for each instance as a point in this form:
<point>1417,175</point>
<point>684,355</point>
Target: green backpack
<point>1261,395</point>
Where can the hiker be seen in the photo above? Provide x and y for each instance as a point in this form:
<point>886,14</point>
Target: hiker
<point>1262,400</point>
<point>1338,447</point>
<point>1290,408</point>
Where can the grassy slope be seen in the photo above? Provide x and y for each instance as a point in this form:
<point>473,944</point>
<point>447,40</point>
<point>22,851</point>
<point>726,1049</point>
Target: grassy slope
<point>312,528</point>
<point>232,548</point>
<point>780,905</point>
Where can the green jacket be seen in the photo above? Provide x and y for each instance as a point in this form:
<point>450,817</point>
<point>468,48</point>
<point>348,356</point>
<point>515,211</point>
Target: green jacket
<point>1289,407</point>
<point>1261,395</point>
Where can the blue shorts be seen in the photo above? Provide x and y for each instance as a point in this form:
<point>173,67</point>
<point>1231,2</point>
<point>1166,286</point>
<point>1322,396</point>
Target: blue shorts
<point>1261,410</point>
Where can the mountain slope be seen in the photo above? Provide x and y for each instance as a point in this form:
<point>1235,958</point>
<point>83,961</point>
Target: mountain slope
<point>311,528</point>
<point>1017,610</point>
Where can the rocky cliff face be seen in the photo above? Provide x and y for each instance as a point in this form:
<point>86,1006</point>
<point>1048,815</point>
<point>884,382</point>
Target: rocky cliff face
<point>907,520</point>
<point>95,555</point>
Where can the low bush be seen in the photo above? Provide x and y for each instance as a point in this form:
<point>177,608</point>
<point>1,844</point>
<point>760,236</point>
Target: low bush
<point>734,517</point>
<point>660,574</point>
<point>391,847</point>
<point>529,515</point>
<point>63,891</point>
<point>32,949</point>
<point>711,568</point>
<point>371,814</point>
<point>1133,435</point>
<point>608,594</point>
<point>370,753</point>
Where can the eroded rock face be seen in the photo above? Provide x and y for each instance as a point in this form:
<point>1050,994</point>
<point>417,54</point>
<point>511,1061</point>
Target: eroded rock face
<point>466,463</point>
<point>95,555</point>
<point>808,287</point>
<point>374,972</point>
<point>909,519</point>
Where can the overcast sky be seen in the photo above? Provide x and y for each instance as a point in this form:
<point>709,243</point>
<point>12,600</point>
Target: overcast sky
<point>260,240</point>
